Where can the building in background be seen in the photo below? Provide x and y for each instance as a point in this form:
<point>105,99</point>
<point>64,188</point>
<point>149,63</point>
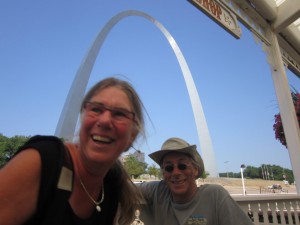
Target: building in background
<point>138,155</point>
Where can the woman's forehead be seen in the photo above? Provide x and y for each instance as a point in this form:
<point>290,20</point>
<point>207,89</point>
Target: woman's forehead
<point>112,96</point>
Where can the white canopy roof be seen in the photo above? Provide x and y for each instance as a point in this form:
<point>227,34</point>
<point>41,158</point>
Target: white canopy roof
<point>283,17</point>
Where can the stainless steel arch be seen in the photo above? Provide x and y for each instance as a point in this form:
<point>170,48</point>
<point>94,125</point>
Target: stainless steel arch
<point>68,119</point>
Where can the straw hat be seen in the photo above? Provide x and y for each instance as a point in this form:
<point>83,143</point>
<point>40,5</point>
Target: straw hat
<point>178,145</point>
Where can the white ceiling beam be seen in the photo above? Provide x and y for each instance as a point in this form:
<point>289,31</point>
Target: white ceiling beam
<point>292,35</point>
<point>267,8</point>
<point>288,12</point>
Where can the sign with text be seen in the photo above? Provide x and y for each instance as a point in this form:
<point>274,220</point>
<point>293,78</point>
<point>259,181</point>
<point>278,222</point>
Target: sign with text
<point>220,14</point>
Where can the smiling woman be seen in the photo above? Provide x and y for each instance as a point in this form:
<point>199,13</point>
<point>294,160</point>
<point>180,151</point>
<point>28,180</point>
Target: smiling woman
<point>83,182</point>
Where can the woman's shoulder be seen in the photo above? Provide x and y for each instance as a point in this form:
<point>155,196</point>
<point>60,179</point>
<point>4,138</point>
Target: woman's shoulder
<point>24,161</point>
<point>29,157</point>
<point>50,148</point>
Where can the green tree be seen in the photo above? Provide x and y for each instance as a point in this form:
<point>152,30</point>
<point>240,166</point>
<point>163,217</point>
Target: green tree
<point>266,172</point>
<point>154,171</point>
<point>134,167</point>
<point>279,173</point>
<point>8,147</point>
<point>204,175</point>
<point>3,141</point>
<point>251,171</point>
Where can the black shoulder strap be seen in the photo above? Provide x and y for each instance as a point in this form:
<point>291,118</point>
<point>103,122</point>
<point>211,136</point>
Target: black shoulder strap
<point>56,179</point>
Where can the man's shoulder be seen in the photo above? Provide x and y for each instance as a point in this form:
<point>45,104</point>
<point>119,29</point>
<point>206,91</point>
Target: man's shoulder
<point>158,187</point>
<point>152,184</point>
<point>212,188</point>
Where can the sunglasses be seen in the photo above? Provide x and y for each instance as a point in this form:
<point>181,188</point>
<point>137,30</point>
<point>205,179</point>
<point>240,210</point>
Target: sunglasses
<point>170,168</point>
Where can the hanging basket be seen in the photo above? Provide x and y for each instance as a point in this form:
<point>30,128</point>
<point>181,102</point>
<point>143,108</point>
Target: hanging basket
<point>278,126</point>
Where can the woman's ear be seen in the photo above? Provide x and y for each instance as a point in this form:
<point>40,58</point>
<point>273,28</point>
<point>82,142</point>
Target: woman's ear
<point>196,172</point>
<point>132,138</point>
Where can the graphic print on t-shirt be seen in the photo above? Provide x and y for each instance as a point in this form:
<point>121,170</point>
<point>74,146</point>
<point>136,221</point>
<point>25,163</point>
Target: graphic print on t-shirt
<point>196,219</point>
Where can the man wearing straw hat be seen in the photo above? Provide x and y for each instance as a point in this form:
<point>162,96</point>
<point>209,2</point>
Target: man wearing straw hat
<point>176,200</point>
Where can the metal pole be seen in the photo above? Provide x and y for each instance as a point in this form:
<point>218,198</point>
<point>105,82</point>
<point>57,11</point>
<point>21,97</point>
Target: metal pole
<point>262,171</point>
<point>244,190</point>
<point>226,162</point>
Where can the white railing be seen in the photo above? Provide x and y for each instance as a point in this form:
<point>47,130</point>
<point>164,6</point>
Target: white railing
<point>269,209</point>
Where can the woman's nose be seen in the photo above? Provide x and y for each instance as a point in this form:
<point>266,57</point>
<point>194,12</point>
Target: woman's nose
<point>105,117</point>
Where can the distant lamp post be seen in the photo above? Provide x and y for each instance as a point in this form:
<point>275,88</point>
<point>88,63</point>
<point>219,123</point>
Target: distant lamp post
<point>226,162</point>
<point>242,170</point>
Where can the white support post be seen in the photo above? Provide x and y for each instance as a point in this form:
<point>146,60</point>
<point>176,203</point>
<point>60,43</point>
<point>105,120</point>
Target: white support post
<point>286,107</point>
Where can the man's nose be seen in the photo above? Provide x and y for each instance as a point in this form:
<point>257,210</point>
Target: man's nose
<point>176,170</point>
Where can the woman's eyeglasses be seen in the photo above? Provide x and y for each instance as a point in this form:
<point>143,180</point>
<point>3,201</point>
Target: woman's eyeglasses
<point>180,166</point>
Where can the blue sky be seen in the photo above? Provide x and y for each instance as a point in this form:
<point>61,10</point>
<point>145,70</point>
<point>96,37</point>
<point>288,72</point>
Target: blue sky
<point>42,44</point>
